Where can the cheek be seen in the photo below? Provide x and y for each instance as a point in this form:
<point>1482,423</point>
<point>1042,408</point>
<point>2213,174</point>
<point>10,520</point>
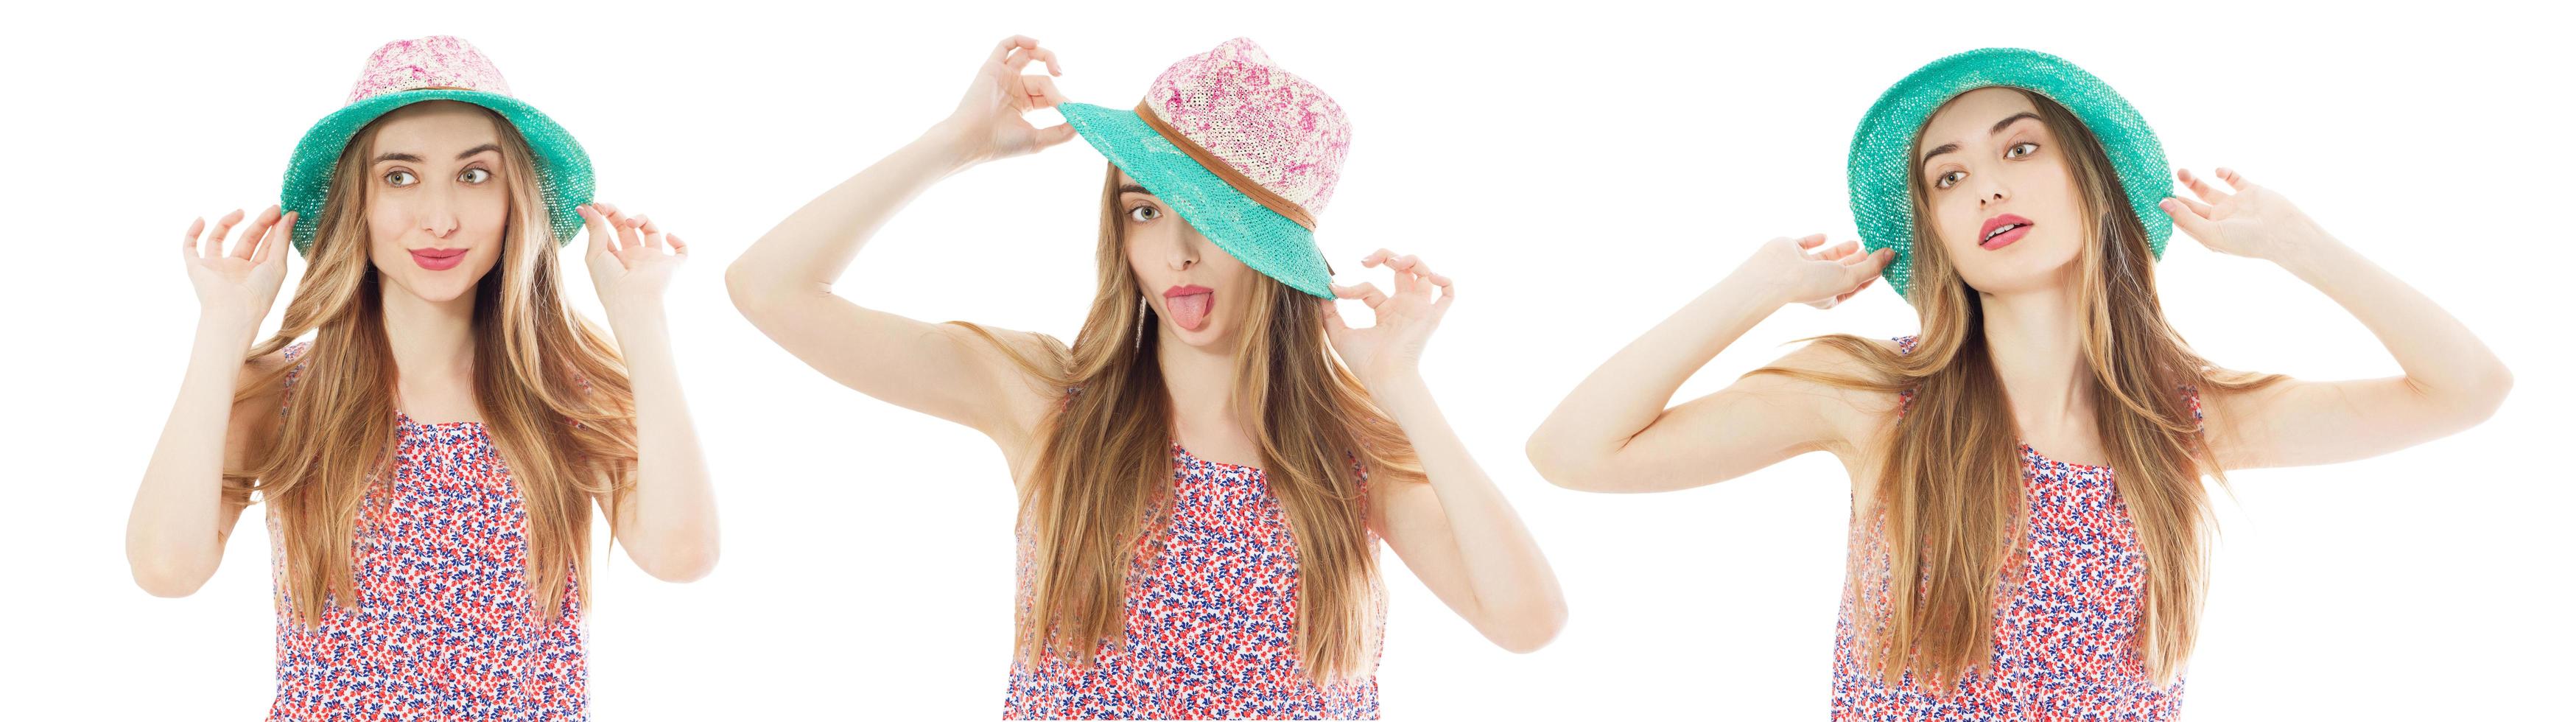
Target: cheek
<point>483,212</point>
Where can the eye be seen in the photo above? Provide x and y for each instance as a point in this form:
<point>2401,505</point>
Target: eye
<point>400,178</point>
<point>1144,214</point>
<point>2021,149</point>
<point>1949,179</point>
<point>475,176</point>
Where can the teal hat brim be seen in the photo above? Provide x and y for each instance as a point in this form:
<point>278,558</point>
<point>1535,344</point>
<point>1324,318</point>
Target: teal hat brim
<point>1882,149</point>
<point>563,169</point>
<point>1251,232</point>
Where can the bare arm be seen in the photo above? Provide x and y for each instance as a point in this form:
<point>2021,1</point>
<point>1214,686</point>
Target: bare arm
<point>784,283</point>
<point>175,533</point>
<point>1453,528</point>
<point>668,523</point>
<point>2451,382</point>
<point>1614,434</point>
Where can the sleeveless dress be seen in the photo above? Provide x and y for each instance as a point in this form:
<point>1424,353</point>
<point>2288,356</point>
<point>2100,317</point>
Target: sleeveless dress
<point>1211,619</point>
<point>441,628</point>
<point>2064,622</point>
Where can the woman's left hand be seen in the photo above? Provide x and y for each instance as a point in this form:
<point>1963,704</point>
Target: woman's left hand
<point>1393,345</point>
<point>630,257</point>
<point>2253,221</point>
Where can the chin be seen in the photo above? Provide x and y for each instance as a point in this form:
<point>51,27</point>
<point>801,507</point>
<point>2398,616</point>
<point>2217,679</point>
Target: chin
<point>437,290</point>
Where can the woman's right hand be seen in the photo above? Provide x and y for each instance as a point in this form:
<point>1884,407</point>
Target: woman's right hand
<point>991,120</point>
<point>1823,278</point>
<point>238,287</point>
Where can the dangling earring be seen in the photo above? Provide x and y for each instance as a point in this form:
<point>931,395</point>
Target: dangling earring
<point>1140,322</point>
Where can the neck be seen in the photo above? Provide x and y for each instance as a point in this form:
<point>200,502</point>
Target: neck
<point>433,342</point>
<point>1200,381</point>
<point>2038,350</point>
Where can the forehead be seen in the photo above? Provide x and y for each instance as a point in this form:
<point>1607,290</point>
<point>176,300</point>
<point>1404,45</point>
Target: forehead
<point>435,126</point>
<point>1971,117</point>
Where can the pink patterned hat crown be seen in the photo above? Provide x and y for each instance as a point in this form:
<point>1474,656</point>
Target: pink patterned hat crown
<point>1270,126</point>
<point>437,61</point>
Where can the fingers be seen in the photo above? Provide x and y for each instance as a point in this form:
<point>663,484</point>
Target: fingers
<point>1049,137</point>
<point>255,233</point>
<point>2234,179</point>
<point>213,244</point>
<point>1376,257</point>
<point>2185,216</point>
<point>1838,251</point>
<point>1860,273</point>
<point>1003,51</point>
<point>594,231</point>
<point>282,233</point>
<point>679,247</point>
<point>652,232</point>
<point>188,245</point>
<point>1811,241</point>
<point>2197,207</point>
<point>629,240</point>
<point>1363,292</point>
<point>1041,91</point>
<point>1044,55</point>
<point>2200,186</point>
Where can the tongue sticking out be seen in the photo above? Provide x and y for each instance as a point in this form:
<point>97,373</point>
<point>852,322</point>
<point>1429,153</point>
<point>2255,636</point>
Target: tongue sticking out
<point>1189,312</point>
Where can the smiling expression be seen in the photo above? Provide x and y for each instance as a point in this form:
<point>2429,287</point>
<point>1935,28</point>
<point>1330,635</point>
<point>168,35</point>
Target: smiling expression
<point>437,199</point>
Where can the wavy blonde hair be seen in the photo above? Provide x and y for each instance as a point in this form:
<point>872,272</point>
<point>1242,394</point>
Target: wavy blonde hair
<point>551,387</point>
<point>1949,504</point>
<point>1094,499</point>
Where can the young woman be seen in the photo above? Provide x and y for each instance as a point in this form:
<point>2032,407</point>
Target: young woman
<point>1999,568</point>
<point>430,458</point>
<point>1205,472</point>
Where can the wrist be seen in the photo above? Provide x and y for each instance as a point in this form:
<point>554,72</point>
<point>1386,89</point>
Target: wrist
<point>217,324</point>
<point>2306,254</point>
<point>948,144</point>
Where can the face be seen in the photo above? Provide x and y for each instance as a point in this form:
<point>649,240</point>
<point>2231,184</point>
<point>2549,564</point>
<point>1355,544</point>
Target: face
<point>1199,292</point>
<point>2002,197</point>
<point>437,202</point>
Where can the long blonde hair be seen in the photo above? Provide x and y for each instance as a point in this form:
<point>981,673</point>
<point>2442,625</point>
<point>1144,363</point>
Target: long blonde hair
<point>1092,503</point>
<point>1950,493</point>
<point>552,390</point>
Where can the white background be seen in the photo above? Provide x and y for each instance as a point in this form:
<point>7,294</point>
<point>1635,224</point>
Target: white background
<point>1582,171</point>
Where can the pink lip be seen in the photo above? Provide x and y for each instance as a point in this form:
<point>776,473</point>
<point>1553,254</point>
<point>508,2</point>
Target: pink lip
<point>1994,242</point>
<point>1186,290</point>
<point>438,259</point>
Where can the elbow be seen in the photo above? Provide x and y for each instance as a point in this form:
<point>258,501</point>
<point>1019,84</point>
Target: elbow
<point>1559,466</point>
<point>2491,388</point>
<point>165,577</point>
<point>746,290</point>
<point>679,563</point>
<point>1531,629</point>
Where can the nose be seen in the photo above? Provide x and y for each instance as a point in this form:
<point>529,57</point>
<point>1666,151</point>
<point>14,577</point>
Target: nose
<point>1184,253</point>
<point>438,214</point>
<point>1994,193</point>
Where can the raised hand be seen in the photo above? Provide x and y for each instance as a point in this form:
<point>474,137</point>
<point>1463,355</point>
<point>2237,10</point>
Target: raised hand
<point>1393,344</point>
<point>2253,221</point>
<point>238,287</point>
<point>990,122</point>
<point>630,257</point>
<point>1802,272</point>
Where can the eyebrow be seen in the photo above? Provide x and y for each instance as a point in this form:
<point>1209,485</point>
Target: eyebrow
<point>2000,125</point>
<point>1133,188</point>
<point>469,153</point>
